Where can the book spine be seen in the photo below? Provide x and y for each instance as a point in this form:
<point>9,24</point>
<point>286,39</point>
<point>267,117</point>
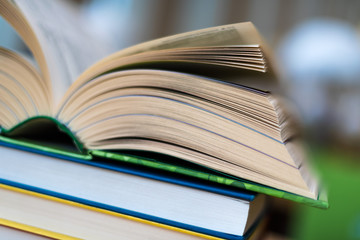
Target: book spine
<point>35,148</point>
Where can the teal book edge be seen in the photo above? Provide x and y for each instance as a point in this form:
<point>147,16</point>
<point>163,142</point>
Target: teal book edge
<point>38,122</point>
<point>199,172</point>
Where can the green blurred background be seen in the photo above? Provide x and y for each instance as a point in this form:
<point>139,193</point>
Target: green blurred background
<point>339,171</point>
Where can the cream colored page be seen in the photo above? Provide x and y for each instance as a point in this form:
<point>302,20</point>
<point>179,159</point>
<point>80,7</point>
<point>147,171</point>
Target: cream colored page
<point>232,34</point>
<point>244,33</point>
<point>68,49</point>
<point>227,35</point>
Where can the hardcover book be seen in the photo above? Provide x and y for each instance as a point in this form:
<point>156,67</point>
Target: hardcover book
<point>176,201</point>
<point>29,211</point>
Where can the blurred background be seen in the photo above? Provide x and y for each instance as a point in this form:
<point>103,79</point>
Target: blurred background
<point>317,44</point>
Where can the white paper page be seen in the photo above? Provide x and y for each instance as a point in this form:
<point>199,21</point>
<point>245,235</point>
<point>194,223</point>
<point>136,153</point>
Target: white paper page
<point>67,47</point>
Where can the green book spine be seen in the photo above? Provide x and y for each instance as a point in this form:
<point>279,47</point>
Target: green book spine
<point>39,149</point>
<point>40,124</point>
<point>216,177</point>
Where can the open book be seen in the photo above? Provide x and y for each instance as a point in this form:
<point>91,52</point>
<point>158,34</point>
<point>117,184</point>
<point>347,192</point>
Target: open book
<point>179,95</point>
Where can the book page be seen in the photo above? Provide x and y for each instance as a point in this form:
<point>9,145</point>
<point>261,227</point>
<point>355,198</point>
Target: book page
<point>242,34</point>
<point>232,34</point>
<point>67,47</point>
<point>166,49</point>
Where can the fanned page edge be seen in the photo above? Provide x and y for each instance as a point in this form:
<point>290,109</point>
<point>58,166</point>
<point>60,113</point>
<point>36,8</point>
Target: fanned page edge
<point>293,142</point>
<point>246,33</point>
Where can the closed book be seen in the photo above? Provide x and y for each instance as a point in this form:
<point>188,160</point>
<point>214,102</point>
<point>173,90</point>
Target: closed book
<point>181,202</point>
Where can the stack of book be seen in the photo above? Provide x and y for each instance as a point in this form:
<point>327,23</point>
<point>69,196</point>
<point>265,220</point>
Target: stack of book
<point>176,138</point>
